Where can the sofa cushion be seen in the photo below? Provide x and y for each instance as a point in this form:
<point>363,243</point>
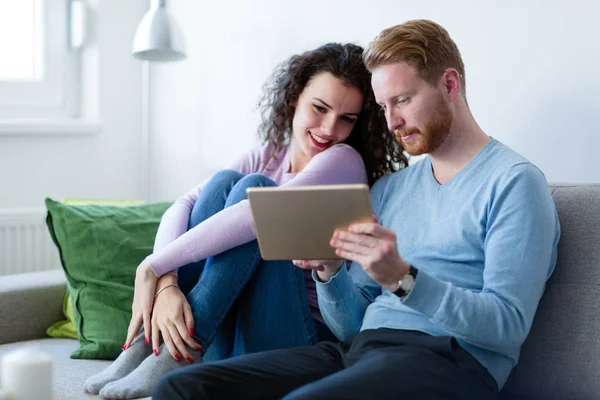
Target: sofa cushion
<point>67,375</point>
<point>561,357</point>
<point>29,302</point>
<point>100,248</point>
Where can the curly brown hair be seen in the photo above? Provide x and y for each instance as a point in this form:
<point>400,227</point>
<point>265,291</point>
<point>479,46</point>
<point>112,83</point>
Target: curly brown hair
<point>380,151</point>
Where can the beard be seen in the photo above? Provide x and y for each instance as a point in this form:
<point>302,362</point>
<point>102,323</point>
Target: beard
<point>435,133</point>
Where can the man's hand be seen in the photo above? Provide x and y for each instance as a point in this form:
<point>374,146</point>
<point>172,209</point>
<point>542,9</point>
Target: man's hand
<point>373,247</point>
<point>325,268</point>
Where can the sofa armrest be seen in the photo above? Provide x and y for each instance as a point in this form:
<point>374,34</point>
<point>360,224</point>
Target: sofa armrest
<point>30,303</point>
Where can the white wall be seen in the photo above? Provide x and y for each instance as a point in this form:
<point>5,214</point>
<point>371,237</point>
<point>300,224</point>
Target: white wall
<point>104,165</point>
<point>532,76</point>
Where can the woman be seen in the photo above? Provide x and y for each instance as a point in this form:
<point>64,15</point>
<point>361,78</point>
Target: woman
<point>321,125</point>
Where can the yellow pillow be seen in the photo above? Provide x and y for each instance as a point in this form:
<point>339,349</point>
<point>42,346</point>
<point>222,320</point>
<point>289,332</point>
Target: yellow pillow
<point>66,328</point>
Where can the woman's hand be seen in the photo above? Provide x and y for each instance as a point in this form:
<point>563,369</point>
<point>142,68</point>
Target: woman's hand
<point>143,300</point>
<point>325,268</point>
<point>172,317</point>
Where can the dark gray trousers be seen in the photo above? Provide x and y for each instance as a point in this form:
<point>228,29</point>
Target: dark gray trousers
<point>378,364</point>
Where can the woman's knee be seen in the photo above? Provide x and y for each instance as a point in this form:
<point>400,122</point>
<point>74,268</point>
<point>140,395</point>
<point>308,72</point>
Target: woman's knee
<point>255,180</point>
<point>238,193</point>
<point>213,196</point>
<point>226,177</point>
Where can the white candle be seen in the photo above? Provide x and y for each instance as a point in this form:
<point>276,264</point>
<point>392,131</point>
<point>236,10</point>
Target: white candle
<point>27,374</point>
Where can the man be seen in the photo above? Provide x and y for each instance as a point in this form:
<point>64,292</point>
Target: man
<point>444,285</point>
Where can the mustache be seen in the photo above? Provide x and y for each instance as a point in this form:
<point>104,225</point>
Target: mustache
<point>405,131</point>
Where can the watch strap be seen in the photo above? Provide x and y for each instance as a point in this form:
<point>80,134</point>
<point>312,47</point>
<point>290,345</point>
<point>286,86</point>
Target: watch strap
<point>412,271</point>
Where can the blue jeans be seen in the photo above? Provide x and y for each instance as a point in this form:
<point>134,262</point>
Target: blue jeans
<point>240,302</point>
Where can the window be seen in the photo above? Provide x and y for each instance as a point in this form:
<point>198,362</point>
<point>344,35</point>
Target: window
<point>39,68</point>
<point>19,38</point>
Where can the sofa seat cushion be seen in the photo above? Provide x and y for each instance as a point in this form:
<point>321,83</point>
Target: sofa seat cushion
<point>68,374</point>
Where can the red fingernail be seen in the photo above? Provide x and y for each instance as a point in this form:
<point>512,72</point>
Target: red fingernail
<point>190,360</point>
<point>146,341</point>
<point>124,347</point>
<point>177,357</point>
<point>192,331</point>
<point>156,352</point>
<point>199,348</point>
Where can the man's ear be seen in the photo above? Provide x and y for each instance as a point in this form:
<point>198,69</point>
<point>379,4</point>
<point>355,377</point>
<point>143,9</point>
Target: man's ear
<point>451,84</point>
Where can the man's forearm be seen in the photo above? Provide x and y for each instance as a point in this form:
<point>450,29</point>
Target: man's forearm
<point>342,304</point>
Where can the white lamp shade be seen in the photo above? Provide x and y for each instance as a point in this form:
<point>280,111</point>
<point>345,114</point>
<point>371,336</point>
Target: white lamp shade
<point>158,37</point>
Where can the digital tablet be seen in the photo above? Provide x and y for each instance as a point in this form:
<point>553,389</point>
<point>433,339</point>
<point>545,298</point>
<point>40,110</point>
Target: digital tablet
<point>296,223</point>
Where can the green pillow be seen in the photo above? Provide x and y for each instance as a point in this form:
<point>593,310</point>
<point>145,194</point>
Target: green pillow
<point>66,328</point>
<point>100,248</point>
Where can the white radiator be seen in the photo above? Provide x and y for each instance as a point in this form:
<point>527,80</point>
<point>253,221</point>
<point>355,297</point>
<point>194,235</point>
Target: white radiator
<point>25,244</point>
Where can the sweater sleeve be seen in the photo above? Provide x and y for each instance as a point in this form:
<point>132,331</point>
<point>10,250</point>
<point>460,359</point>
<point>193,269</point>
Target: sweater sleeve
<point>520,253</point>
<point>174,221</point>
<point>234,225</point>
<point>344,298</point>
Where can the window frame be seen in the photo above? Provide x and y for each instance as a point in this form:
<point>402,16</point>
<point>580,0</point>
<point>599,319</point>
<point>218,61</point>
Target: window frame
<point>53,105</point>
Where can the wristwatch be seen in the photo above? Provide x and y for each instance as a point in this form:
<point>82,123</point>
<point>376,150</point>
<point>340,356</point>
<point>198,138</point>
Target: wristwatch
<point>406,283</point>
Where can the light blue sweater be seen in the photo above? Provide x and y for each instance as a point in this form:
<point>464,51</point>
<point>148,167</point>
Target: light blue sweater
<point>484,244</point>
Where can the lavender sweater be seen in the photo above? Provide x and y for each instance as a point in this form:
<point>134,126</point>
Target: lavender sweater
<point>175,246</point>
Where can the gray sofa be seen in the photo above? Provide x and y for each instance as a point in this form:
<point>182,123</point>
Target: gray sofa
<point>560,359</point>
